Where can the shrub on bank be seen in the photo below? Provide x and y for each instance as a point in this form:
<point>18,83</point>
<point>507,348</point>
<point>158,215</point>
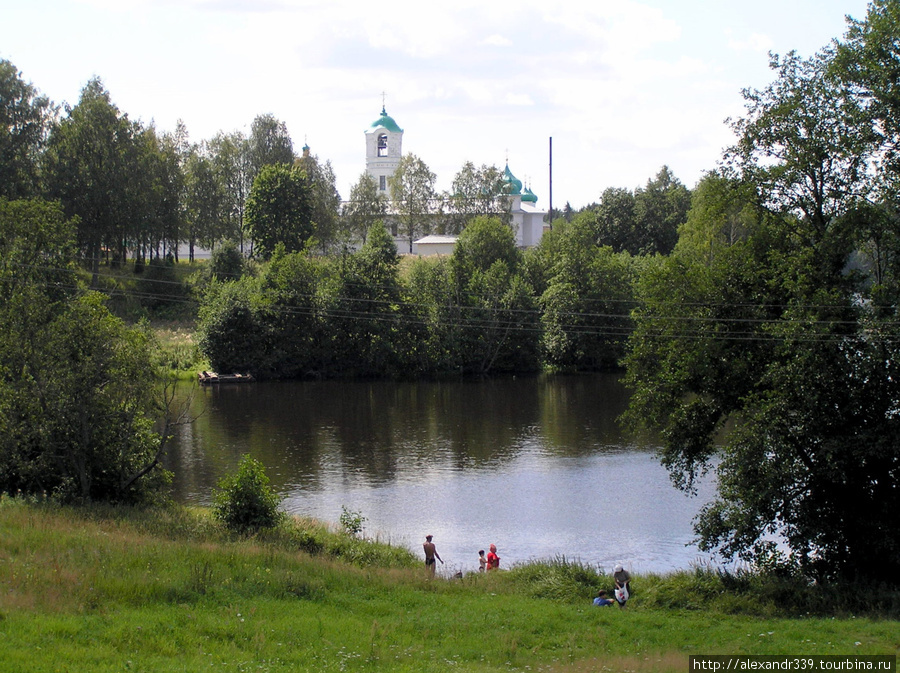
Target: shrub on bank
<point>245,502</point>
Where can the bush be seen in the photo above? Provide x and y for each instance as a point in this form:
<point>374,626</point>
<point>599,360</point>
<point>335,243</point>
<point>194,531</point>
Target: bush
<point>244,501</point>
<point>226,262</point>
<point>352,521</point>
<point>160,288</point>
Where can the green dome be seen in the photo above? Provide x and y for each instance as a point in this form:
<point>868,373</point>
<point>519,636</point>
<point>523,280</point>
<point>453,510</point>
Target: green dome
<point>515,185</point>
<point>529,196</point>
<point>387,122</point>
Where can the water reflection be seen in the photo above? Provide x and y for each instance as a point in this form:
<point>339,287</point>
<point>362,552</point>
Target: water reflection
<point>537,465</point>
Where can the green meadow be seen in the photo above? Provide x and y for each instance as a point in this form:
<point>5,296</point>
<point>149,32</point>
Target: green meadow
<point>118,589</point>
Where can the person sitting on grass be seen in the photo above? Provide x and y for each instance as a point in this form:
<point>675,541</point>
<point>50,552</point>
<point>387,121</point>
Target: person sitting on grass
<point>601,600</point>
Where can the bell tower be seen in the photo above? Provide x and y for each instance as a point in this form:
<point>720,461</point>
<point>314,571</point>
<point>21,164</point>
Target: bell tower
<point>384,147</point>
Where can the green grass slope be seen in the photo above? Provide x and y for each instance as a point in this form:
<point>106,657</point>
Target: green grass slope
<point>169,590</point>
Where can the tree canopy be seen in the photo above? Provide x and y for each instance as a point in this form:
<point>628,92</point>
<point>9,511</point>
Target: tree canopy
<point>79,391</point>
<point>25,119</point>
<point>412,193</point>
<point>280,209</point>
<point>759,320</point>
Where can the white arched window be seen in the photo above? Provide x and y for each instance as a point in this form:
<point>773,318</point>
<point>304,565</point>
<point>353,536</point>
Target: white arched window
<point>382,145</point>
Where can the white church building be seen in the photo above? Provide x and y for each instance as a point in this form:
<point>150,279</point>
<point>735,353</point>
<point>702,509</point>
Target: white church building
<point>384,148</point>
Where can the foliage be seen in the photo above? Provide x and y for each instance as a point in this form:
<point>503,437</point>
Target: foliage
<point>160,287</point>
<point>89,169</point>
<point>230,155</point>
<point>280,209</point>
<point>365,207</point>
<point>616,220</point>
<point>363,307</point>
<point>805,146</point>
<point>412,193</point>
<point>25,119</point>
<point>643,222</point>
<point>226,262</point>
<point>435,308</point>
<point>122,180</point>
<point>659,209</point>
<point>755,320</point>
<point>244,501</point>
<point>352,521</point>
<point>205,202</point>
<point>477,192</point>
<point>586,306</point>
<point>325,201</point>
<point>231,333</point>
<point>78,389</point>
<point>724,210</point>
<point>484,241</point>
<point>269,144</point>
<point>868,64</point>
<point>496,328</point>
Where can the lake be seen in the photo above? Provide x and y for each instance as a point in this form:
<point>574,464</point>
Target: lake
<point>537,465</point>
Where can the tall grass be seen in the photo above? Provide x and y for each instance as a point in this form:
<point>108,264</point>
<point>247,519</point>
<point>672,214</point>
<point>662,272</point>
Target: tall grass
<point>178,350</point>
<point>115,589</point>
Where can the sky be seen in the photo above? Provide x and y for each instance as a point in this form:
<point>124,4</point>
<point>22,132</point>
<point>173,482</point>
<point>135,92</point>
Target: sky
<point>622,87</point>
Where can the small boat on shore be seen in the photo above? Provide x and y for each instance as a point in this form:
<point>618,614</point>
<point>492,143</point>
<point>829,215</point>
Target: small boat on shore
<point>213,377</point>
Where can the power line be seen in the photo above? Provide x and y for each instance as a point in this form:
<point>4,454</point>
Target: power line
<point>493,317</point>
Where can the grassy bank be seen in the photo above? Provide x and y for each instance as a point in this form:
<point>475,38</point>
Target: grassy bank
<point>169,590</point>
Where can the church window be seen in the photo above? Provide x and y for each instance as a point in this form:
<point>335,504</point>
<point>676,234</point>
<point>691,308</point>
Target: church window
<point>382,182</point>
<point>382,145</point>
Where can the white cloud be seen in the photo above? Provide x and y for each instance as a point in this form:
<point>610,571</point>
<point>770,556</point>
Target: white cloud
<point>756,42</point>
<point>496,40</point>
<point>623,86</point>
<point>519,99</point>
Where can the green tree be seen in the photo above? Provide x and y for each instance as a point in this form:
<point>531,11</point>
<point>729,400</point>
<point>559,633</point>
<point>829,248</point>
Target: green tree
<point>496,329</point>
<point>659,209</point>
<point>325,201</point>
<point>269,144</point>
<point>724,211</point>
<point>232,332</point>
<point>157,194</point>
<point>587,302</point>
<point>364,309</point>
<point>436,311</point>
<point>489,241</point>
<point>867,62</point>
<point>477,191</point>
<point>280,209</point>
<point>365,207</point>
<point>79,393</point>
<point>867,65</point>
<point>25,120</point>
<point>412,196</point>
<point>231,158</point>
<point>290,308</point>
<point>92,170</point>
<point>805,144</point>
<point>205,202</point>
<point>226,262</point>
<point>616,220</point>
<point>767,330</point>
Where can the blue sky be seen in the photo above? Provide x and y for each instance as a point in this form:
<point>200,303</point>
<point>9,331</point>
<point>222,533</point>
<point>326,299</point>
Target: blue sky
<point>621,86</point>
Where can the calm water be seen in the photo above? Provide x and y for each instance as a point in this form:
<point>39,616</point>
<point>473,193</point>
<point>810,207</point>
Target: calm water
<point>537,466</point>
